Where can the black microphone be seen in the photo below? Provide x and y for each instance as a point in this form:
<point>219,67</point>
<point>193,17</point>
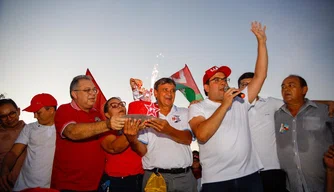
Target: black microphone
<point>241,95</point>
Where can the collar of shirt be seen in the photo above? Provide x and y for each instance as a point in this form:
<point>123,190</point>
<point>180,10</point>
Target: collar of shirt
<point>306,104</point>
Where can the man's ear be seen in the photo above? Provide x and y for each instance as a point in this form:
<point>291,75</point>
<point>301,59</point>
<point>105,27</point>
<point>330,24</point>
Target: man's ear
<point>18,111</point>
<point>206,88</point>
<point>155,93</point>
<point>305,89</point>
<point>74,94</point>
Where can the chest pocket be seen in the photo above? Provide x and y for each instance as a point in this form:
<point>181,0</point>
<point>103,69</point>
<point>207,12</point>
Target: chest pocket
<point>312,123</point>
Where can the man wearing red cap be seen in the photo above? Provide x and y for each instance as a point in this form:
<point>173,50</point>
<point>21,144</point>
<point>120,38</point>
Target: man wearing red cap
<point>220,123</point>
<point>79,159</point>
<point>39,139</point>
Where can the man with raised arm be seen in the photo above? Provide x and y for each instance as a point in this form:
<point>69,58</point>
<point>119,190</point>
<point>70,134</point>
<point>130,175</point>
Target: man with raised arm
<point>220,123</point>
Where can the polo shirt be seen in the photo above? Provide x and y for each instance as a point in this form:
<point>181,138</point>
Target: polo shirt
<point>262,128</point>
<point>123,164</point>
<point>162,151</point>
<point>37,167</point>
<point>230,152</point>
<point>301,143</point>
<point>78,165</point>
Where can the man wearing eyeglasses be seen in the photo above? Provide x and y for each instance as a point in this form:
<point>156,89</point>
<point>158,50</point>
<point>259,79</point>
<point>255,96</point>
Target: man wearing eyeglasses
<point>10,128</point>
<point>79,159</point>
<point>220,123</point>
<point>165,144</point>
<point>39,140</point>
<point>123,170</point>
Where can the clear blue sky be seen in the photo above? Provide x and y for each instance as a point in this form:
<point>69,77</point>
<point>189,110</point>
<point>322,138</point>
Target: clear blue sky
<point>44,43</point>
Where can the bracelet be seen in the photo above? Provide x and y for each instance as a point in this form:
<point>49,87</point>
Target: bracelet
<point>108,124</point>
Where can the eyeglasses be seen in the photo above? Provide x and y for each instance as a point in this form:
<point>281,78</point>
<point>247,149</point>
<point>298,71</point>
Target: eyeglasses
<point>117,105</point>
<point>218,79</point>
<point>94,90</point>
<point>11,114</point>
<point>244,84</point>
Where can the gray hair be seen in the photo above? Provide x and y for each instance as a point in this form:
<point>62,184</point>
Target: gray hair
<point>76,80</point>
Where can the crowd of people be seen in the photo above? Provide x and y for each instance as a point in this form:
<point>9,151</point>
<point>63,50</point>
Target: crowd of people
<point>246,143</point>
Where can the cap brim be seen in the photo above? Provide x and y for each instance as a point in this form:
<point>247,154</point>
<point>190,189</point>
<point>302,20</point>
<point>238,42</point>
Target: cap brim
<point>33,108</point>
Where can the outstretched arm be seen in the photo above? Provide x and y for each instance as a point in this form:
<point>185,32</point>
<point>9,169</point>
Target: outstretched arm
<point>79,131</point>
<point>261,66</point>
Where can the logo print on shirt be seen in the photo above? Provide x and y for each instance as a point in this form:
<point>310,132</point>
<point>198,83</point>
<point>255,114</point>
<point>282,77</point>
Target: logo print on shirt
<point>176,118</point>
<point>152,110</point>
<point>284,128</point>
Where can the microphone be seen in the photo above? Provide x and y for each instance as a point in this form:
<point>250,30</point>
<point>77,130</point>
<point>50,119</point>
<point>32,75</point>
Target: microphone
<point>241,95</point>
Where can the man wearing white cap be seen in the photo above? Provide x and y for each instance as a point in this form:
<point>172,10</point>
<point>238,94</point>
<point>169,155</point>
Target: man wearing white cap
<point>39,139</point>
<point>220,123</point>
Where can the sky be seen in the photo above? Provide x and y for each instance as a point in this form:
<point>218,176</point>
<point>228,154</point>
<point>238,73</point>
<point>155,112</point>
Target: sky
<point>45,43</point>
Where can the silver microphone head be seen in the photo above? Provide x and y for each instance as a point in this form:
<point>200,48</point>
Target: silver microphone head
<point>226,88</point>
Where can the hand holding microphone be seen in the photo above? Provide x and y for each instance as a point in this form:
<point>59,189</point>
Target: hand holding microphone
<point>241,95</point>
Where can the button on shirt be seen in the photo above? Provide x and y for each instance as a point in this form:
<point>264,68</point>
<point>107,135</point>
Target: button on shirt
<point>301,143</point>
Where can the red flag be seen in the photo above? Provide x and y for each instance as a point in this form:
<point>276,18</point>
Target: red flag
<point>186,84</point>
<point>101,99</point>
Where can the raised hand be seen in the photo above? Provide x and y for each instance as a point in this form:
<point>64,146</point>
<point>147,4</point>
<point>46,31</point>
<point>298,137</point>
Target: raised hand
<point>259,31</point>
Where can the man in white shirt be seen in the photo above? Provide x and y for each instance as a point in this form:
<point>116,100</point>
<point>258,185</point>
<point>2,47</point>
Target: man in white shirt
<point>220,123</point>
<point>262,129</point>
<point>39,139</point>
<point>165,144</point>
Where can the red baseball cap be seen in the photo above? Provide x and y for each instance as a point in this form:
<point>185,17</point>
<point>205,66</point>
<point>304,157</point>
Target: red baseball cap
<point>213,70</point>
<point>39,101</point>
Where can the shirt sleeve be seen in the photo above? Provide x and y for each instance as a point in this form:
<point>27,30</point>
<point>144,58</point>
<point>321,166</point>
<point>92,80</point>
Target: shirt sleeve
<point>195,111</point>
<point>276,102</point>
<point>23,137</point>
<point>63,118</point>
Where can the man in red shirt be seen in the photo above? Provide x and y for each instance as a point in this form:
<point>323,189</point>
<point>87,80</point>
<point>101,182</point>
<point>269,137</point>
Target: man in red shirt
<point>79,159</point>
<point>123,169</point>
